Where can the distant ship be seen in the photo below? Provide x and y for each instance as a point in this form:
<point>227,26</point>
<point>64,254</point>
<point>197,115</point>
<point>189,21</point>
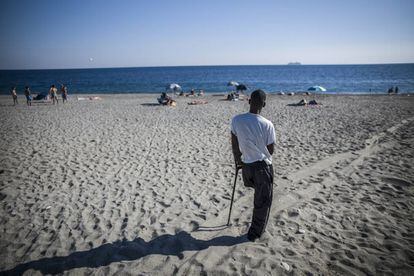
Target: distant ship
<point>294,63</point>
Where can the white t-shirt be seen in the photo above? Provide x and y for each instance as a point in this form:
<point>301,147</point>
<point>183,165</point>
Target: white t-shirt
<point>254,133</point>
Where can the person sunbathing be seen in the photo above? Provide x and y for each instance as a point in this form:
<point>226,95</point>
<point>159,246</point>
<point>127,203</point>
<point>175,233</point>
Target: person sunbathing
<point>314,102</point>
<point>197,102</point>
<point>303,102</point>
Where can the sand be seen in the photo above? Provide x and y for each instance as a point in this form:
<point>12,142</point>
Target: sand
<point>121,185</point>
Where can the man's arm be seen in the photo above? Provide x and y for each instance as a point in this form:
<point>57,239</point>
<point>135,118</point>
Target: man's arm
<point>271,148</point>
<point>271,139</point>
<point>236,150</point>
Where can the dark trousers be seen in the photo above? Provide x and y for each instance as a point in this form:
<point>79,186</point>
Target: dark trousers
<point>259,175</point>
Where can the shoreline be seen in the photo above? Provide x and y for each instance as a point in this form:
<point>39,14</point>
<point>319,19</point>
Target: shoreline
<point>224,94</point>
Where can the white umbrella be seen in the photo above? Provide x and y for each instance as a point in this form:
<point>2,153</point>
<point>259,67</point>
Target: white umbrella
<point>232,83</point>
<point>173,87</point>
<point>317,88</point>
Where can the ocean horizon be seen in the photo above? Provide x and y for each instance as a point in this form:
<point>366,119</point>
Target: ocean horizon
<point>336,78</point>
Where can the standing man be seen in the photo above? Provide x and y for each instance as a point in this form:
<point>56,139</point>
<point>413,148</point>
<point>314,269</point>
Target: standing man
<point>253,138</point>
<point>64,91</point>
<point>53,94</point>
<point>14,95</point>
<point>28,95</point>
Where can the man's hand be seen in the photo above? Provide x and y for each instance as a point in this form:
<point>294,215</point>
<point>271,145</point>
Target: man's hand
<point>271,148</point>
<point>239,163</point>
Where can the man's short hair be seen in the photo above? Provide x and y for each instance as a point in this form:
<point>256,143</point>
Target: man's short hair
<point>258,97</point>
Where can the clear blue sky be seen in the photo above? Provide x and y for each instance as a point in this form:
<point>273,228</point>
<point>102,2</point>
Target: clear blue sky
<point>67,34</point>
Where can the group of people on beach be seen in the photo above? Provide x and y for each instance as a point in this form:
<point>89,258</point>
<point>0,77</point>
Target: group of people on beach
<point>52,95</point>
<point>393,90</point>
<point>27,94</point>
<point>166,99</point>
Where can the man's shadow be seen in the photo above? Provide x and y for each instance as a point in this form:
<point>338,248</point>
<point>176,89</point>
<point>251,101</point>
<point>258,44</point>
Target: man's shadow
<point>124,251</point>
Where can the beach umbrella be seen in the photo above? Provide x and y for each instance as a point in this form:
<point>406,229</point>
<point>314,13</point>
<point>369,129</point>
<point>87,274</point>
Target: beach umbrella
<point>317,88</point>
<point>173,87</point>
<point>232,83</point>
<point>241,87</point>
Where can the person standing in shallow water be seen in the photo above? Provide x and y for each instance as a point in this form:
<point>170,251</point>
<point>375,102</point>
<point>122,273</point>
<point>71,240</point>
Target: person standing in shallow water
<point>14,95</point>
<point>253,138</point>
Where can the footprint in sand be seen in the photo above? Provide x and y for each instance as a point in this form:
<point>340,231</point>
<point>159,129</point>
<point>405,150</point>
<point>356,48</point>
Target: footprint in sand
<point>290,252</point>
<point>320,200</point>
<point>194,225</point>
<point>124,223</point>
<point>293,213</point>
<point>397,183</point>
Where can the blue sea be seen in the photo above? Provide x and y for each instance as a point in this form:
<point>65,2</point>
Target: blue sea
<point>271,78</point>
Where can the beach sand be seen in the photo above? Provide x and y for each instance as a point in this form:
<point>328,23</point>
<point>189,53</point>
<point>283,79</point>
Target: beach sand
<point>121,185</point>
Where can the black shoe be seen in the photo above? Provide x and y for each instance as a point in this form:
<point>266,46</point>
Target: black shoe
<point>251,238</point>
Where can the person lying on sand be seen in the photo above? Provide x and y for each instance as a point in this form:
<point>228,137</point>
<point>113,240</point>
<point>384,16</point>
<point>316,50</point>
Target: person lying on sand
<point>41,96</point>
<point>95,98</point>
<point>303,102</point>
<point>314,102</point>
<point>196,102</point>
<point>253,138</point>
<point>89,98</point>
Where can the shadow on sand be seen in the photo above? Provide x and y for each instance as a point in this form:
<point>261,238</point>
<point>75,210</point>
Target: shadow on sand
<point>124,251</point>
<point>212,228</point>
<point>150,104</point>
